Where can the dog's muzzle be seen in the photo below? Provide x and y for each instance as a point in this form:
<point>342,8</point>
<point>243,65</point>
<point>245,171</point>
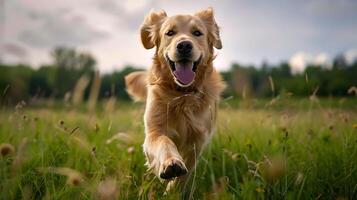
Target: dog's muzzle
<point>184,70</point>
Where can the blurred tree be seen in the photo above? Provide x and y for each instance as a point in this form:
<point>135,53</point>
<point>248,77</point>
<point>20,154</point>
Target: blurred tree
<point>70,66</point>
<point>114,85</point>
<point>21,82</point>
<point>339,62</point>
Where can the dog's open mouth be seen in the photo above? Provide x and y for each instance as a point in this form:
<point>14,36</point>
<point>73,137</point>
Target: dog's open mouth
<point>184,70</point>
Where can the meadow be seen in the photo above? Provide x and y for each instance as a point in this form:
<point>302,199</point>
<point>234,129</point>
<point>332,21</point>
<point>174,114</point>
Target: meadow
<point>283,148</point>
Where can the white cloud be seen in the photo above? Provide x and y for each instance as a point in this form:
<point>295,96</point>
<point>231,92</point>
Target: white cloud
<point>251,31</point>
<point>61,30</point>
<point>323,60</point>
<point>134,5</point>
<point>351,56</point>
<point>300,60</point>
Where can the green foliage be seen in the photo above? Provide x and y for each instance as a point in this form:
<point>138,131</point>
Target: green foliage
<point>113,84</point>
<point>70,66</point>
<point>255,82</point>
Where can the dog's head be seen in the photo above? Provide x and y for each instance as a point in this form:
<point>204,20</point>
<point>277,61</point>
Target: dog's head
<point>184,43</point>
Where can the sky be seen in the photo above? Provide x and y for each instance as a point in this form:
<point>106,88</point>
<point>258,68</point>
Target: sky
<point>252,32</point>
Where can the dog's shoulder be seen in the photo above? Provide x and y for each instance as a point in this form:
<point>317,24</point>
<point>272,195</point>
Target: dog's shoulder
<point>214,85</point>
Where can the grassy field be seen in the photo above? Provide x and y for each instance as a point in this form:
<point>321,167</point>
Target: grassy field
<point>280,149</point>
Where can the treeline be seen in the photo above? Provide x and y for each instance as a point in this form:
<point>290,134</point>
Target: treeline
<point>270,81</point>
<point>73,72</point>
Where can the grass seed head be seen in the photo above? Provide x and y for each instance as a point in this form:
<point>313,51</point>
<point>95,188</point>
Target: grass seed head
<point>107,189</point>
<point>131,150</point>
<point>273,169</point>
<point>74,179</point>
<point>94,151</point>
<point>61,122</point>
<point>330,127</point>
<point>220,186</point>
<point>6,149</point>
<point>122,137</point>
<point>82,142</point>
<point>232,155</point>
<point>352,90</point>
<point>299,178</point>
<point>96,127</point>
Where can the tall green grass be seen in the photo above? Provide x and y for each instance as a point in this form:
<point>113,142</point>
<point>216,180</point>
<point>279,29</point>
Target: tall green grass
<point>289,149</point>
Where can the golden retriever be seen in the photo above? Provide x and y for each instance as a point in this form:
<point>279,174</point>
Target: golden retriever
<point>181,90</point>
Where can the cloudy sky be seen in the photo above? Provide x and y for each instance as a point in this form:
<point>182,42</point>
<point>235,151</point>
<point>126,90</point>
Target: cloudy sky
<point>252,31</point>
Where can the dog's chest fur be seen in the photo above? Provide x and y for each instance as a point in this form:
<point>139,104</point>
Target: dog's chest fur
<point>186,117</point>
<point>190,119</point>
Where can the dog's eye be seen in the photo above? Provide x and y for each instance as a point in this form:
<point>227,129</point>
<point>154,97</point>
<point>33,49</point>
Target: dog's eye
<point>170,33</point>
<point>197,33</point>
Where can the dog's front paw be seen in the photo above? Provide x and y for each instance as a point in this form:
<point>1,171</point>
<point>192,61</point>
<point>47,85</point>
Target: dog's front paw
<point>172,168</point>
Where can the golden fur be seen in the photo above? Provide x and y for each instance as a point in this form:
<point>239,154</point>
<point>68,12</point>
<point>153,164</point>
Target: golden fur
<point>179,119</point>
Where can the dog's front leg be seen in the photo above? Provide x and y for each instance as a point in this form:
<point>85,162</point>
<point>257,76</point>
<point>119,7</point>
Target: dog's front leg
<point>161,152</point>
<point>163,156</point>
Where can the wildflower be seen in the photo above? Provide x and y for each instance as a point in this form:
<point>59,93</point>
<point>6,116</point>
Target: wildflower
<point>259,190</point>
<point>6,149</point>
<point>354,126</point>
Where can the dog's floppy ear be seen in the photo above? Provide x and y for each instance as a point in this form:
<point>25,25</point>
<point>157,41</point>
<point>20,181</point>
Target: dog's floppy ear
<point>150,28</point>
<point>207,16</point>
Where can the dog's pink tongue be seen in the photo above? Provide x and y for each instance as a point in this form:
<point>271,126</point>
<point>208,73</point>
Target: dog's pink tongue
<point>184,72</point>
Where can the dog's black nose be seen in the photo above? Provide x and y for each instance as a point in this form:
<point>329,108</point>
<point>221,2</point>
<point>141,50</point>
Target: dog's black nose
<point>184,47</point>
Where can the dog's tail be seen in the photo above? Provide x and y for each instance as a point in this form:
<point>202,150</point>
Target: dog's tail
<point>136,85</point>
